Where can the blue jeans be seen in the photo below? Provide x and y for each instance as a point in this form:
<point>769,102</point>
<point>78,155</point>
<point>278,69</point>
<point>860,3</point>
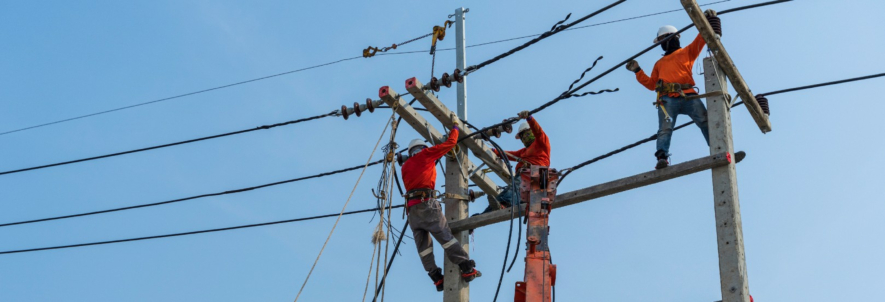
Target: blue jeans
<point>676,106</point>
<point>510,194</point>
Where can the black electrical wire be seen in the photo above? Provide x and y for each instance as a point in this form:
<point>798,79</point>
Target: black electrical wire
<point>513,207</point>
<point>326,64</point>
<point>392,257</point>
<point>572,91</point>
<point>179,96</point>
<point>265,127</point>
<point>655,136</point>
<point>194,197</point>
<point>535,35</point>
<point>192,232</point>
<point>557,28</point>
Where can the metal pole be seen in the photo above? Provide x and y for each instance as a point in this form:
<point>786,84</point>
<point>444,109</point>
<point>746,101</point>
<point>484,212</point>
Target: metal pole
<point>730,238</point>
<point>461,60</point>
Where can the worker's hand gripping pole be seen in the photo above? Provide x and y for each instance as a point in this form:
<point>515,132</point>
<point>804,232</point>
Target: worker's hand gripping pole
<point>539,189</point>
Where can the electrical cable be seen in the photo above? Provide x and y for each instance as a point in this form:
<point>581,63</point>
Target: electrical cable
<point>572,91</point>
<point>192,232</point>
<point>655,136</point>
<point>265,127</point>
<point>535,35</point>
<point>325,64</point>
<point>178,96</point>
<point>392,257</point>
<point>335,225</point>
<point>192,197</point>
<point>557,28</point>
<point>512,210</point>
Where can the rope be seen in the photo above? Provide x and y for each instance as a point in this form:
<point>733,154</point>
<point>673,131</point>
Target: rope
<point>265,127</point>
<point>191,233</point>
<point>655,136</point>
<point>557,28</point>
<point>193,197</point>
<point>343,208</point>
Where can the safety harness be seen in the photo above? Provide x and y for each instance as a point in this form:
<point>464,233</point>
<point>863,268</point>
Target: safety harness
<point>663,89</point>
<point>422,194</point>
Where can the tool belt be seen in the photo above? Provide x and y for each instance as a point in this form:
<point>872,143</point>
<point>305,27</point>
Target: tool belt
<point>421,194</point>
<point>667,88</point>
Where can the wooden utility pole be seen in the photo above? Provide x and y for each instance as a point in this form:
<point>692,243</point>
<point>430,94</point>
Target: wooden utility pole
<point>729,236</point>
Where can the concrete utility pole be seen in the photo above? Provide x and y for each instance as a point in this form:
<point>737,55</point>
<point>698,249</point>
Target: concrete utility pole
<point>461,60</point>
<point>730,238</point>
<point>456,290</point>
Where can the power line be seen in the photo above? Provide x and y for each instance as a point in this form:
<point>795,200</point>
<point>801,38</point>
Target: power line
<point>193,232</point>
<point>194,197</point>
<point>265,127</point>
<point>179,96</point>
<point>573,28</point>
<point>655,136</point>
<point>322,65</point>
<point>570,92</point>
<point>557,28</point>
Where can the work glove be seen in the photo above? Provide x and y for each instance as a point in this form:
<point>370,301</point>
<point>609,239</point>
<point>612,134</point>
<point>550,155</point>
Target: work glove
<point>714,21</point>
<point>763,102</point>
<point>524,114</point>
<point>633,66</point>
<point>455,121</point>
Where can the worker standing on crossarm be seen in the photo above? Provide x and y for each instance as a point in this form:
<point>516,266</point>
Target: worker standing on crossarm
<point>672,79</point>
<point>425,212</point>
<point>536,152</point>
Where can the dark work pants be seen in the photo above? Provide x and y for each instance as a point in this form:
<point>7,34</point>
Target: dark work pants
<point>426,219</point>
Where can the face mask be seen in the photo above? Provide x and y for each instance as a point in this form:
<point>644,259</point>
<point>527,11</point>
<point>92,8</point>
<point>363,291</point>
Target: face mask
<point>671,45</point>
<point>527,138</point>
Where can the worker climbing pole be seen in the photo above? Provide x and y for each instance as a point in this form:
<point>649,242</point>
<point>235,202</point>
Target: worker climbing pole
<point>539,188</point>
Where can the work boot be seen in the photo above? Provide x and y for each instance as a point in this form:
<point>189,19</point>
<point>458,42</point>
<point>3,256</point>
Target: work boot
<point>437,277</point>
<point>468,272</point>
<point>663,161</point>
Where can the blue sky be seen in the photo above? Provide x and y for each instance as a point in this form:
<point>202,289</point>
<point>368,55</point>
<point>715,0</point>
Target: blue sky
<point>811,190</point>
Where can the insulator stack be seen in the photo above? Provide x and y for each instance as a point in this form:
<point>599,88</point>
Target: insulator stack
<point>446,80</point>
<point>401,158</point>
<point>434,84</point>
<point>716,24</point>
<point>497,131</point>
<point>763,103</point>
<point>358,108</point>
<point>473,195</point>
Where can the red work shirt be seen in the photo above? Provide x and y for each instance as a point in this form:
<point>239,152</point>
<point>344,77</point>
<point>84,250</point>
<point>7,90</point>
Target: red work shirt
<point>419,171</point>
<point>675,67</point>
<point>538,153</point>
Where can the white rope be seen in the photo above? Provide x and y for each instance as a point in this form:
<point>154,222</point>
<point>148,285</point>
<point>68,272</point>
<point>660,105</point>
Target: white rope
<point>344,208</point>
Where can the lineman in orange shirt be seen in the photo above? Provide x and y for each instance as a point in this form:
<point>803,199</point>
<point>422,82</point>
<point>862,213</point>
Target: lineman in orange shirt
<point>425,213</point>
<point>536,152</point>
<point>672,79</point>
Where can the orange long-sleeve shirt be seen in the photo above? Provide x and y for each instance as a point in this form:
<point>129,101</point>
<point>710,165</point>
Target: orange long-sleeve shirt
<point>538,153</point>
<point>419,171</point>
<point>675,67</point>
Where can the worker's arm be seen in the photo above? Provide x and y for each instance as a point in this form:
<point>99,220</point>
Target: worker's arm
<point>511,154</point>
<point>694,49</point>
<point>536,129</point>
<point>648,82</point>
<point>438,151</point>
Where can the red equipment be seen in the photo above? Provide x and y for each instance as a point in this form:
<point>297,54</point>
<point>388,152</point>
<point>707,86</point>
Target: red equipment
<point>539,189</point>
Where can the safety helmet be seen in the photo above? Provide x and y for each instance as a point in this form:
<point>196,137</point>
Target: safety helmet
<point>415,143</point>
<point>522,127</point>
<point>665,30</point>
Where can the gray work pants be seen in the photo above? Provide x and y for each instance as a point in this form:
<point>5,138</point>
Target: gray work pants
<point>427,219</point>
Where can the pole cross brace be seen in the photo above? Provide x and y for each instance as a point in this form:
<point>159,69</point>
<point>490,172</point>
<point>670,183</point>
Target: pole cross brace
<point>726,64</point>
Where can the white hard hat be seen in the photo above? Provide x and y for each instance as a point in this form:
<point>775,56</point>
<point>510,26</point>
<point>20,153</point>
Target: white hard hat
<point>522,127</point>
<point>415,143</point>
<point>665,30</point>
